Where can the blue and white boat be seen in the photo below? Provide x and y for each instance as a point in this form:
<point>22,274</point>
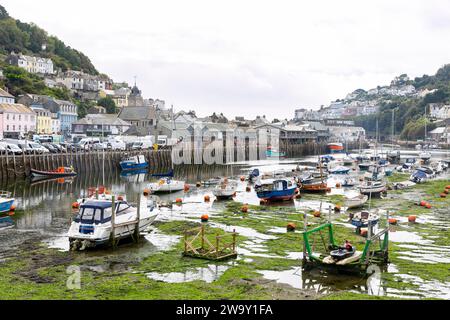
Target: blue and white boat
<point>6,201</point>
<point>339,170</point>
<point>273,153</point>
<point>134,163</point>
<point>92,225</point>
<point>276,189</point>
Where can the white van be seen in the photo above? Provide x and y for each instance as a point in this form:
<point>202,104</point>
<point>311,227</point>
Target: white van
<point>88,143</point>
<point>116,144</point>
<point>141,145</point>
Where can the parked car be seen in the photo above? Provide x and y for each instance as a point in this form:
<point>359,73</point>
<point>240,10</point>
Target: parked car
<point>60,148</point>
<point>25,148</point>
<point>11,148</point>
<point>50,148</point>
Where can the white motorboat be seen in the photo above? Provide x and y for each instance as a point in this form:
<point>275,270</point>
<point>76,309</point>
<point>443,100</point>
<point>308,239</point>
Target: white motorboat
<point>364,218</point>
<point>166,185</point>
<point>92,225</point>
<point>356,202</point>
<point>225,190</point>
<point>372,187</point>
<point>425,156</point>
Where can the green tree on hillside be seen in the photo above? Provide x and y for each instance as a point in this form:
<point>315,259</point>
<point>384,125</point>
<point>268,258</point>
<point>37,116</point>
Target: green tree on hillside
<point>108,104</point>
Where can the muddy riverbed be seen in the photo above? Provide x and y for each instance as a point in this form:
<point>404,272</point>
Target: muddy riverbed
<point>36,262</point>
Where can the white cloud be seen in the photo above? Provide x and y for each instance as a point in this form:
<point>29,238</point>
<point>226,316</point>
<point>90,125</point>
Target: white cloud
<point>250,57</point>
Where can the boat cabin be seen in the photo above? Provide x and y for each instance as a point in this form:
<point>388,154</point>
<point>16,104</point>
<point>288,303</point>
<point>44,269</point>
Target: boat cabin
<point>98,212</point>
<point>276,185</point>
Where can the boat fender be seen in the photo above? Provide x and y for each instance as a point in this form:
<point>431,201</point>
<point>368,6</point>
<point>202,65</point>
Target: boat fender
<point>75,205</point>
<point>12,208</point>
<point>146,192</point>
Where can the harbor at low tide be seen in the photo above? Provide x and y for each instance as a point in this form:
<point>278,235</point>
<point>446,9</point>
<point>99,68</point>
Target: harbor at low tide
<point>269,258</point>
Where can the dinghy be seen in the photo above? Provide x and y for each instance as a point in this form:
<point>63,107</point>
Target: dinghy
<point>364,218</point>
<point>342,253</point>
<point>58,173</point>
<point>166,185</point>
<point>226,190</point>
<point>356,202</point>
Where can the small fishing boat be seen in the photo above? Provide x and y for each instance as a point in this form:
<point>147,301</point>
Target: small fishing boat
<point>226,190</point>
<point>422,174</point>
<point>364,166</point>
<point>166,185</point>
<point>339,170</point>
<point>348,161</point>
<point>425,156</point>
<point>275,190</point>
<point>335,147</point>
<point>372,187</point>
<point>134,163</point>
<point>349,182</point>
<point>364,218</point>
<point>58,173</point>
<point>356,202</point>
<point>6,201</point>
<point>274,153</point>
<point>253,175</point>
<point>92,225</point>
<point>313,185</point>
<point>342,253</point>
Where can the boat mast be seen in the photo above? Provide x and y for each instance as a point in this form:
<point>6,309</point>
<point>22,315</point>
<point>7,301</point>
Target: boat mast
<point>393,129</point>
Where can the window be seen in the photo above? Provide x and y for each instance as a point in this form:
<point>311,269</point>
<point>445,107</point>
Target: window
<point>87,215</point>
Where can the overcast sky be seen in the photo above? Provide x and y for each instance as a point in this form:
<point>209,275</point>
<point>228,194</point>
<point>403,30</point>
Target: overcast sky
<point>249,57</point>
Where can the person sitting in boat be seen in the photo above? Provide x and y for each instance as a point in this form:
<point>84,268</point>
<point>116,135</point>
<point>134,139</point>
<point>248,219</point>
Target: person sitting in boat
<point>348,246</point>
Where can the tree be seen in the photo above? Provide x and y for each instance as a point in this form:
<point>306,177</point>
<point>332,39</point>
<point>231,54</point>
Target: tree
<point>3,13</point>
<point>108,104</point>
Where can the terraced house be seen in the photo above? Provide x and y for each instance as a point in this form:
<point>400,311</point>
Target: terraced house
<point>31,64</point>
<point>16,120</point>
<point>67,113</point>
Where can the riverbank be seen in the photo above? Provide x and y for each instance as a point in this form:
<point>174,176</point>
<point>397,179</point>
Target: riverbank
<point>268,264</point>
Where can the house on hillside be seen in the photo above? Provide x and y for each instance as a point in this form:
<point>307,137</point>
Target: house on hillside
<point>141,117</point>
<point>6,97</point>
<point>100,125</point>
<point>31,64</point>
<point>66,111</point>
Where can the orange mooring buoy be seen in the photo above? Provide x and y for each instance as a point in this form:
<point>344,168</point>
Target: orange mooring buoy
<point>423,203</point>
<point>207,198</point>
<point>443,195</point>
<point>242,178</point>
<point>146,192</point>
<point>291,227</point>
<point>248,189</point>
<point>363,232</point>
<point>428,206</point>
<point>244,208</point>
<point>204,218</point>
<point>316,214</point>
<point>393,221</point>
<point>75,205</point>
<point>337,208</point>
<point>186,188</point>
<point>120,198</point>
<point>178,200</point>
<point>412,219</point>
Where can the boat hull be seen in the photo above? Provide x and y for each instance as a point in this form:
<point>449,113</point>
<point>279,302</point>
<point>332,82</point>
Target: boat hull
<point>5,205</point>
<point>40,174</point>
<point>128,166</point>
<point>277,195</point>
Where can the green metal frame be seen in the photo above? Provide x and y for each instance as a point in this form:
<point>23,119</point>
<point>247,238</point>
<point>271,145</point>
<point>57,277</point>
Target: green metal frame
<point>384,245</point>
